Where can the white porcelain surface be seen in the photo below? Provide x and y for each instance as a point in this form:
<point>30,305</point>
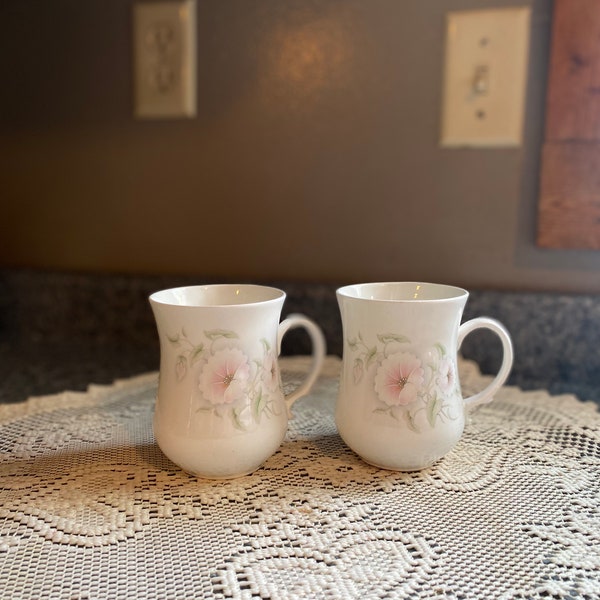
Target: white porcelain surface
<point>400,406</point>
<point>220,409</point>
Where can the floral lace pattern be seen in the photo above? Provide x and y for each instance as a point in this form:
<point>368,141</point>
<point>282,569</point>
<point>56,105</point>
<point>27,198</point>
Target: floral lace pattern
<point>91,509</point>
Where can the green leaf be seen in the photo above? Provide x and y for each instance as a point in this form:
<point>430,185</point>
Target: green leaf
<point>371,354</point>
<point>353,344</point>
<point>174,339</point>
<point>358,370</point>
<point>181,367</point>
<point>196,353</point>
<point>411,422</point>
<point>433,408</point>
<point>386,338</point>
<point>259,404</point>
<point>441,349</point>
<point>213,334</point>
<point>236,420</point>
<point>265,344</point>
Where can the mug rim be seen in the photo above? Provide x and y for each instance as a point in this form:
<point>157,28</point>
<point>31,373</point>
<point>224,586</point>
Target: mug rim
<point>169,296</point>
<point>452,292</point>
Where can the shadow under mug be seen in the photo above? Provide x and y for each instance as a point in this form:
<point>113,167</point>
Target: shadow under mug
<point>220,409</point>
<point>400,405</point>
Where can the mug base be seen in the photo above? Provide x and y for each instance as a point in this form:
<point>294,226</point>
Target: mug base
<point>227,457</point>
<point>400,469</point>
<point>221,477</point>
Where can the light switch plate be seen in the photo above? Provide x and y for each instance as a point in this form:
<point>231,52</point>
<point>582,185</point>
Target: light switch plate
<point>164,59</point>
<point>485,79</point>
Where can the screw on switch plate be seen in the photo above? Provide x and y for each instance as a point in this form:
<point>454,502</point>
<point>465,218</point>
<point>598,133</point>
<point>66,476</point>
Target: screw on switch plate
<point>165,59</point>
<point>485,77</point>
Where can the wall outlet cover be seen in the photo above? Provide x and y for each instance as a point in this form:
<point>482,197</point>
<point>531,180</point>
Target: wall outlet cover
<point>164,59</point>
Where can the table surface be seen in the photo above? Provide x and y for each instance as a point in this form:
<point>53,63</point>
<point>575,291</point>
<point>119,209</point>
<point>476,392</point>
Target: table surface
<point>91,509</point>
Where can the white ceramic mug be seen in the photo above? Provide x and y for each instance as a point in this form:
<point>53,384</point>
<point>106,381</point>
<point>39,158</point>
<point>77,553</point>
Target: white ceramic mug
<point>400,405</point>
<point>220,410</point>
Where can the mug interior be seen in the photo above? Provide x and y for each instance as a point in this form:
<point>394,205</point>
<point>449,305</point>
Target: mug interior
<point>217,295</point>
<point>404,291</point>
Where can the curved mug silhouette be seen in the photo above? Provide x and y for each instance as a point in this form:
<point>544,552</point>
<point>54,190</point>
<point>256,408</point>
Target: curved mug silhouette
<point>400,405</point>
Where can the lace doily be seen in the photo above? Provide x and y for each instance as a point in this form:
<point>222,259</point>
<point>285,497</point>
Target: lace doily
<point>90,508</point>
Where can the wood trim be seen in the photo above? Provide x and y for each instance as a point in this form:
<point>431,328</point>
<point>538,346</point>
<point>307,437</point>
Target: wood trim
<point>569,203</point>
<point>570,196</point>
<point>573,98</point>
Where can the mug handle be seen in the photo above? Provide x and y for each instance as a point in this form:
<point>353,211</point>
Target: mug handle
<point>487,394</point>
<point>318,354</point>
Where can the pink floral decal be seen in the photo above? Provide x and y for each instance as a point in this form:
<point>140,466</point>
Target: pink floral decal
<point>446,377</point>
<point>399,379</point>
<point>229,383</point>
<point>406,384</point>
<point>270,372</point>
<point>224,377</point>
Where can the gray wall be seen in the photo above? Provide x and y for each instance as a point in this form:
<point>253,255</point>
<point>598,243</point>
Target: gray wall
<point>314,154</point>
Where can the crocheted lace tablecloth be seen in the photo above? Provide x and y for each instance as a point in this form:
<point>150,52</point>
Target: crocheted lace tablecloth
<point>91,509</point>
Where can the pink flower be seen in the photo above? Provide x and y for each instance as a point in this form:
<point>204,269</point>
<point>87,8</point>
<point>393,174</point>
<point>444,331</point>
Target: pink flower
<point>398,379</point>
<point>224,377</point>
<point>446,378</point>
<point>270,373</point>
